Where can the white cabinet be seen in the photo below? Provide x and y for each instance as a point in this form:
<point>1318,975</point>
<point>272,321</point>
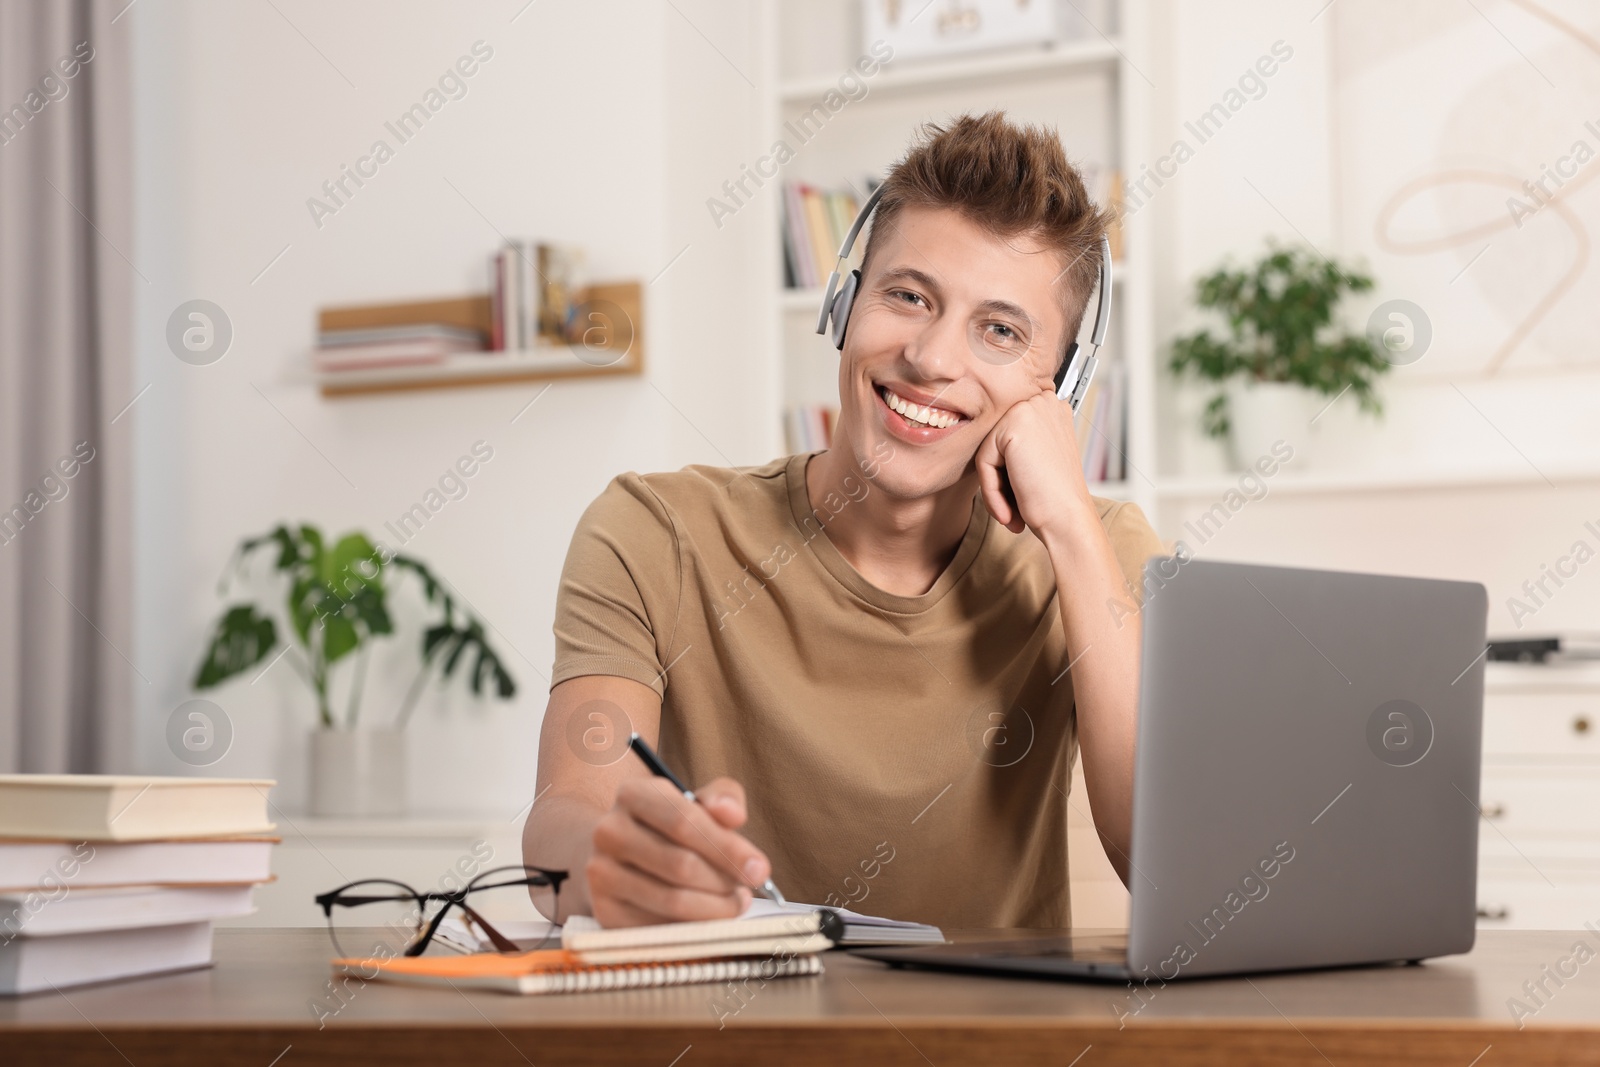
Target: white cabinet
<point>429,855</point>
<point>1539,842</point>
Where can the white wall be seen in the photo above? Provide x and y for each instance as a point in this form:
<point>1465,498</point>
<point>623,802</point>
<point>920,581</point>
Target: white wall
<point>1295,147</point>
<point>602,124</point>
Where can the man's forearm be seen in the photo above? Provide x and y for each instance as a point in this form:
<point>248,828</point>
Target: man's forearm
<point>1103,651</point>
<point>559,835</point>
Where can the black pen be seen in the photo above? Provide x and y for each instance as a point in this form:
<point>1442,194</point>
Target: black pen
<point>642,749</point>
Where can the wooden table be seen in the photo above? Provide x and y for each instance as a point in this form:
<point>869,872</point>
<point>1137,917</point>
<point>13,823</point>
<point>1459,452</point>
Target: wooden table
<point>269,990</point>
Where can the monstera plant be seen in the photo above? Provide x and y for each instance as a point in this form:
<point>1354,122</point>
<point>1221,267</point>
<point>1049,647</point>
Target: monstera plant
<point>336,602</point>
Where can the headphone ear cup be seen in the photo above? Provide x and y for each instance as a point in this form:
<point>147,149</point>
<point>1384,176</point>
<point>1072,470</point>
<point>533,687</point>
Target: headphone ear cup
<point>842,304</point>
<point>1066,365</point>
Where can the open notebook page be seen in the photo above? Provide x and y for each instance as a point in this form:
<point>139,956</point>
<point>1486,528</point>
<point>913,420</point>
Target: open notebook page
<point>859,929</point>
<point>761,907</point>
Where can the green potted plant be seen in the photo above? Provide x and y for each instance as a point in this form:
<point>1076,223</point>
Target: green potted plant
<point>1281,349</point>
<point>335,601</point>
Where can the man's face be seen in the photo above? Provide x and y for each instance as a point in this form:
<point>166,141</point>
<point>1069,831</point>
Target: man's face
<point>950,318</point>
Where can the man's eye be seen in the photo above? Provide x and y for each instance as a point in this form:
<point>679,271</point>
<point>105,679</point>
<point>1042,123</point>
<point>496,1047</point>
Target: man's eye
<point>1001,332</point>
<point>907,296</point>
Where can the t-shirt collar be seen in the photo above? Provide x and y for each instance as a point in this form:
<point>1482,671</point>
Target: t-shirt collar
<point>824,551</point>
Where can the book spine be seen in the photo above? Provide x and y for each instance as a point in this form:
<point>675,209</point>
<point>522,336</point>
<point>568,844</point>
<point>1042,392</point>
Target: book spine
<point>513,300</point>
<point>497,336</point>
<point>794,277</point>
<point>1116,428</point>
<point>535,291</point>
<point>1085,428</point>
<point>549,294</point>
<point>804,264</point>
<point>817,230</point>
<point>528,295</point>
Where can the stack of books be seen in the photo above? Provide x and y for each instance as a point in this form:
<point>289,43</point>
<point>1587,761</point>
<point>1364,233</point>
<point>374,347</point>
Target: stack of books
<point>397,335</point>
<point>393,346</point>
<point>105,877</point>
<point>815,222</point>
<point>533,294</point>
<point>809,427</point>
<point>1102,424</point>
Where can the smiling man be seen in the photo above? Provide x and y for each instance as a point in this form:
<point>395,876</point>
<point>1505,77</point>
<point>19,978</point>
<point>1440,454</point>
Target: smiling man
<point>874,663</point>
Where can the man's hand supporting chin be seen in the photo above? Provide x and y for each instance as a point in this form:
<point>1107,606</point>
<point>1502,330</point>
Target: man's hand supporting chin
<point>1036,446</point>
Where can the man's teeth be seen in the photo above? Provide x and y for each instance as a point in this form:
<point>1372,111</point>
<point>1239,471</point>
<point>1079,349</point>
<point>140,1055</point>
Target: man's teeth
<point>927,416</point>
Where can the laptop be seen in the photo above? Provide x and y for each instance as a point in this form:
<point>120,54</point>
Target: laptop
<point>1305,785</point>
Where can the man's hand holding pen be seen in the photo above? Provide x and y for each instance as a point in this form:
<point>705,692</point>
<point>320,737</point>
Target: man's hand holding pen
<point>661,857</point>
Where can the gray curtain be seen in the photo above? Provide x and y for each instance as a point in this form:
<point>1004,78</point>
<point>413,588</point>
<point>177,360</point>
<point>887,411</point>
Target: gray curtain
<point>66,285</point>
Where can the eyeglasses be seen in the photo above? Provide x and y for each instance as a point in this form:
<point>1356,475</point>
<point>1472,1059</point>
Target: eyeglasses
<point>397,913</point>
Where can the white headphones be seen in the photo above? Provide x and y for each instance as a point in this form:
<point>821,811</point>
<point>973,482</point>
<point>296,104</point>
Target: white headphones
<point>1072,380</point>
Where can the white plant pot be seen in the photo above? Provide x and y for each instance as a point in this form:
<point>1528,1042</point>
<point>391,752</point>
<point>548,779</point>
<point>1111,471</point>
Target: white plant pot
<point>1265,413</point>
<point>359,773</point>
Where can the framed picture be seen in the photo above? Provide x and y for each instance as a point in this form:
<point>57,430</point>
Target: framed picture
<point>934,29</point>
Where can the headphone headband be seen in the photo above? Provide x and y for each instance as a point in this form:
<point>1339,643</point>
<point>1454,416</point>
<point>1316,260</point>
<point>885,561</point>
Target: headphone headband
<point>1072,380</point>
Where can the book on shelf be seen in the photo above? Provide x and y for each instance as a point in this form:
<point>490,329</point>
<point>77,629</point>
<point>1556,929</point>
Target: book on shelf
<point>561,276</point>
<point>1101,424</point>
<point>397,353</point>
<point>535,288</point>
<point>1105,187</point>
<point>107,876</point>
<point>815,222</point>
<point>809,427</point>
<point>379,335</point>
<point>393,335</point>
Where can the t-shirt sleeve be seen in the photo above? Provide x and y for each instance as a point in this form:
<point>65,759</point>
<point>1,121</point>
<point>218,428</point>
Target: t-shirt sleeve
<point>618,598</point>
<point>1133,540</point>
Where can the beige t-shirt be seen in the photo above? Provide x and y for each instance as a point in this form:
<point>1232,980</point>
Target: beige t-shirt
<point>903,756</point>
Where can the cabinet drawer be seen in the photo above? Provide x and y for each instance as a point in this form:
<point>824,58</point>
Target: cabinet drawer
<point>1521,725</point>
<point>1529,804</point>
<point>1510,902</point>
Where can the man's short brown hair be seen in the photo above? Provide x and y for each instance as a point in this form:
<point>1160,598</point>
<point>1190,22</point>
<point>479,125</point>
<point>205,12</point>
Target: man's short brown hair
<point>1011,180</point>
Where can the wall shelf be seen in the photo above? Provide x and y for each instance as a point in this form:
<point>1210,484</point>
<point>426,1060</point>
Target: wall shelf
<point>1387,481</point>
<point>549,363</point>
<point>616,349</point>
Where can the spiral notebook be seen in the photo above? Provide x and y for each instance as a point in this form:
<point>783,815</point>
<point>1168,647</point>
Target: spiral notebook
<point>559,971</point>
<point>778,946</point>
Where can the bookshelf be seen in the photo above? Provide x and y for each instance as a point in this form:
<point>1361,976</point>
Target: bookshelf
<point>1086,88</point>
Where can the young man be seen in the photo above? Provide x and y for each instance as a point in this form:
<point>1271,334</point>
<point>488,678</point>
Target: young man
<point>873,664</point>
